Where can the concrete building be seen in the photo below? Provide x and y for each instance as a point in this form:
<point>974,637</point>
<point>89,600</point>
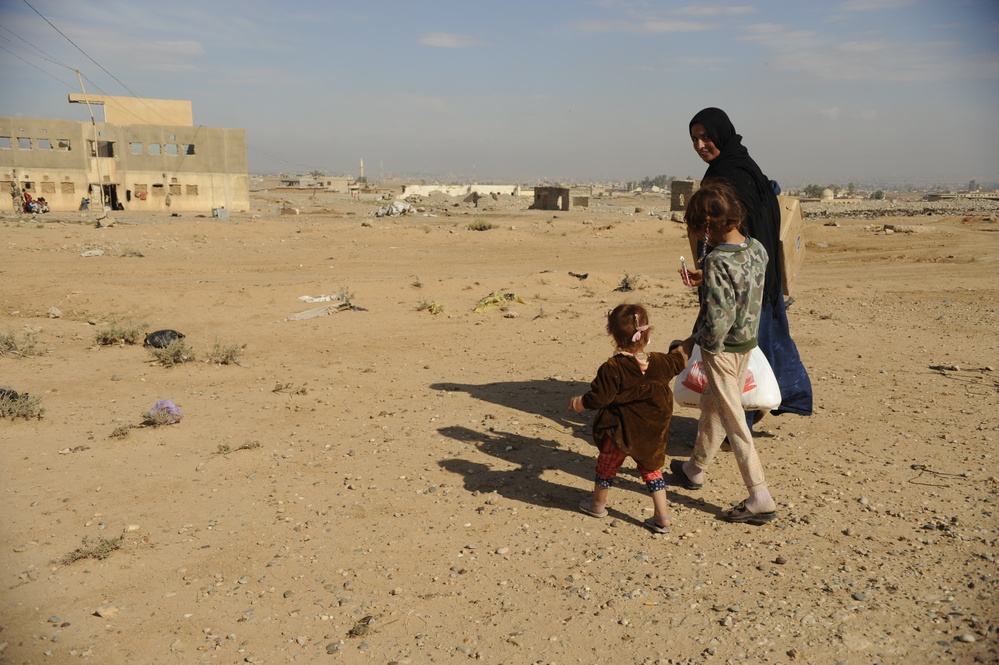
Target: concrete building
<point>146,155</point>
<point>461,190</point>
<point>681,191</point>
<point>560,198</point>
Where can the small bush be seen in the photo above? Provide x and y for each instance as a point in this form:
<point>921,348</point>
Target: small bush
<point>162,413</point>
<point>121,432</point>
<point>481,225</point>
<point>102,549</point>
<point>23,346</point>
<point>174,353</point>
<point>117,332</point>
<point>345,297</point>
<point>432,306</point>
<point>133,253</point>
<point>224,448</point>
<point>629,283</point>
<point>14,405</point>
<point>221,354</point>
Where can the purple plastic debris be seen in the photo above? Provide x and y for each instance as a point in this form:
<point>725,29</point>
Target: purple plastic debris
<point>165,405</point>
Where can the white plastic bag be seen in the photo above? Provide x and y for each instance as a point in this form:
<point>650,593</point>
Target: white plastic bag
<point>761,392</point>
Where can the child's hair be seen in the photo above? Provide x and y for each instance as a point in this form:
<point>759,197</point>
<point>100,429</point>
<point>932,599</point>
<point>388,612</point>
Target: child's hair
<point>713,207</point>
<point>629,326</point>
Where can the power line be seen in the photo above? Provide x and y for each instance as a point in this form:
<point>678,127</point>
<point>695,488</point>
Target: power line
<point>46,55</point>
<point>81,50</point>
<point>49,58</point>
<point>68,85</point>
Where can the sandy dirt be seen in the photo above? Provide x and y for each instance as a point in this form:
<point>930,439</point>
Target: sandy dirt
<point>388,485</point>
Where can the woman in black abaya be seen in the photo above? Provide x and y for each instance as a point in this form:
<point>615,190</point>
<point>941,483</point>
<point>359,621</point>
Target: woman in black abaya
<point>717,143</point>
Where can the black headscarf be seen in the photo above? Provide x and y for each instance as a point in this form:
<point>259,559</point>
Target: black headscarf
<point>755,191</point>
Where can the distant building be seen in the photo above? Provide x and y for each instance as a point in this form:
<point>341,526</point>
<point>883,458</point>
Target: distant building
<point>560,198</point>
<point>461,190</point>
<point>326,183</point>
<point>146,155</point>
<point>681,191</point>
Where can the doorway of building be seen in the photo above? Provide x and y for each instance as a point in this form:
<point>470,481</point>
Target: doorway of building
<point>110,197</point>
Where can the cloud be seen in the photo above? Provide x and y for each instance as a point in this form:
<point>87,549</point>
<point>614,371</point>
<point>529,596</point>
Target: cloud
<point>874,5</point>
<point>776,33</point>
<point>705,61</point>
<point>179,49</point>
<point>832,113</point>
<point>448,40</point>
<point>696,10</point>
<point>646,27</point>
<point>885,60</point>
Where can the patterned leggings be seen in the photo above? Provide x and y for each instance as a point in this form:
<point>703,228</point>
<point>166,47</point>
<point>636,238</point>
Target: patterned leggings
<point>609,462</point>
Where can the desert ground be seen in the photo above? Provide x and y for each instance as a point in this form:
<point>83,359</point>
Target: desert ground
<point>397,482</point>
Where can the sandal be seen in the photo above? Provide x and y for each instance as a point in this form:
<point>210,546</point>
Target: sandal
<point>584,506</point>
<point>742,515</point>
<point>676,468</point>
<point>656,527</point>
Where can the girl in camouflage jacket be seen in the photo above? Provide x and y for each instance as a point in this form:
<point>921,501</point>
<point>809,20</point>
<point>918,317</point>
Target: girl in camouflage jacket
<point>731,278</point>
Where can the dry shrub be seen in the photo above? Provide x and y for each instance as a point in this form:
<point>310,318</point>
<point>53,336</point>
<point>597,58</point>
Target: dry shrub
<point>433,306</point>
<point>118,332</point>
<point>23,346</point>
<point>174,353</point>
<point>481,225</point>
<point>225,449</point>
<point>14,405</point>
<point>102,549</point>
<point>222,354</point>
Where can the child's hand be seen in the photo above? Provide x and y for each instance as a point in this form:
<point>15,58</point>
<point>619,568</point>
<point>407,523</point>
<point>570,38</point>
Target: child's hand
<point>695,277</point>
<point>575,404</point>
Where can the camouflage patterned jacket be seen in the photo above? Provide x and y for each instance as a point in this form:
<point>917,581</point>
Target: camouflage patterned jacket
<point>731,298</point>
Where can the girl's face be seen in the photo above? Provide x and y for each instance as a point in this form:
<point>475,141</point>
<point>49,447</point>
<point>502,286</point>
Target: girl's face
<point>703,145</point>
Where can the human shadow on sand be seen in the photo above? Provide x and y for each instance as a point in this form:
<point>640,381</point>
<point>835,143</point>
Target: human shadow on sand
<point>526,459</point>
<point>547,398</point>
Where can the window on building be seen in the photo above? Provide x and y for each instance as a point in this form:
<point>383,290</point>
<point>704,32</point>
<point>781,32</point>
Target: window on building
<point>5,143</point>
<point>48,187</point>
<point>170,149</point>
<point>23,143</point>
<point>158,189</point>
<point>67,187</point>
<point>192,190</point>
<point>136,147</point>
<point>62,144</point>
<point>44,144</point>
<point>188,148</point>
<point>154,148</point>
<point>27,185</point>
<point>102,149</point>
<point>175,189</point>
<point>141,189</point>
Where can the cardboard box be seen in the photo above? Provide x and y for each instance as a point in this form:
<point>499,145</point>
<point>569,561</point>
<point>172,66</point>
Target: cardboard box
<point>792,241</point>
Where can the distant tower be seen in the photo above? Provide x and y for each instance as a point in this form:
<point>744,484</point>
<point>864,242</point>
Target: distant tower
<point>362,168</point>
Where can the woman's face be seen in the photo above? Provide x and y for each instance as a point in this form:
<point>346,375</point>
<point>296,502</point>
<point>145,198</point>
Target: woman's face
<point>703,145</point>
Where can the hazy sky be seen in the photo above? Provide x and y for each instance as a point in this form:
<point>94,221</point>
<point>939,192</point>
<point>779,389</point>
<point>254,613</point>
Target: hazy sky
<point>824,92</point>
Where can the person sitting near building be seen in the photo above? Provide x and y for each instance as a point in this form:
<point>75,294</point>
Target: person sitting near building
<point>41,205</point>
